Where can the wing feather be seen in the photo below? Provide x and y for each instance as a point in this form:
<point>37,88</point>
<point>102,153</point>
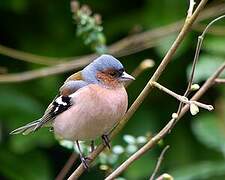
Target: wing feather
<point>61,103</point>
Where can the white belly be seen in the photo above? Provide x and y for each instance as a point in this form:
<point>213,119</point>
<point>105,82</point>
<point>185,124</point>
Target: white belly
<point>93,115</point>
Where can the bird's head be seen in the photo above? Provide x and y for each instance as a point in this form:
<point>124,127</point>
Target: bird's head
<point>106,70</point>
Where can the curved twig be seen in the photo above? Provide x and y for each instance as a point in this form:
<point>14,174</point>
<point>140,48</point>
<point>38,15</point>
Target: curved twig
<point>159,162</point>
<point>28,57</point>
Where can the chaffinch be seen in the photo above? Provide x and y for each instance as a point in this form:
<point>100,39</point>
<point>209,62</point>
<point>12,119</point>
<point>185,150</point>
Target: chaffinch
<point>90,103</point>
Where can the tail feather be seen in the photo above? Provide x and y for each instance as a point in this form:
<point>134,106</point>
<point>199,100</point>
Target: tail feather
<point>28,128</point>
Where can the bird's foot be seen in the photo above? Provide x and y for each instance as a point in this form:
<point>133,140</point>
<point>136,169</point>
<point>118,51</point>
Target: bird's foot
<point>85,161</point>
<point>106,140</point>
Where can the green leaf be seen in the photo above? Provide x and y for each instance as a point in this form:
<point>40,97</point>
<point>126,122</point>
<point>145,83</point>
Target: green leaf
<point>129,139</point>
<point>118,149</point>
<point>206,66</point>
<point>17,109</point>
<point>32,165</point>
<point>15,105</point>
<point>22,144</point>
<point>141,168</point>
<point>203,170</point>
<point>209,130</point>
<point>131,148</point>
<point>215,45</point>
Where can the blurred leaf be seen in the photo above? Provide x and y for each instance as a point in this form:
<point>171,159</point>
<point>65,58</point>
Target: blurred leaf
<point>129,139</point>
<point>215,45</point>
<point>17,109</point>
<point>49,88</point>
<point>117,149</point>
<point>204,170</point>
<point>131,148</point>
<point>141,139</point>
<point>67,144</point>
<point>165,44</point>
<point>18,103</point>
<point>32,165</point>
<point>141,168</point>
<point>89,27</point>
<point>170,11</point>
<point>209,131</point>
<point>23,144</point>
<point>206,66</point>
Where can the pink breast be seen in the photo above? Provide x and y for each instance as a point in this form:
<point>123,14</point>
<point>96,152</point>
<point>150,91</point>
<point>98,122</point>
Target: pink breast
<point>95,112</point>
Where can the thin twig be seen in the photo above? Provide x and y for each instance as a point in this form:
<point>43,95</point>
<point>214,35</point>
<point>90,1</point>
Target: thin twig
<point>159,162</point>
<point>176,117</point>
<point>150,144</point>
<point>47,71</point>
<point>145,64</point>
<point>196,57</point>
<point>28,57</point>
<point>124,47</point>
<point>185,29</point>
<point>191,8</point>
<point>220,81</point>
<point>182,99</point>
<point>67,166</point>
<point>214,30</point>
<point>210,24</point>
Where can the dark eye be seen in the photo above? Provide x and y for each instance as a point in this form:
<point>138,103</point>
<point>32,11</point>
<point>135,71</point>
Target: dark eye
<point>121,71</point>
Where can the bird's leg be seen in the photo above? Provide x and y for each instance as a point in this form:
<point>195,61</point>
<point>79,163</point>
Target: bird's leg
<point>82,158</point>
<point>92,146</point>
<point>105,139</point>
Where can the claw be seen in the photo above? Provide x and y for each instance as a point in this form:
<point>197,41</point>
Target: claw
<point>106,140</point>
<point>85,161</point>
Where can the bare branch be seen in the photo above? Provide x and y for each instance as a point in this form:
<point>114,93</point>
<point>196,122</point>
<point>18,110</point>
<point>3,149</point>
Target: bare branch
<point>220,81</point>
<point>24,56</point>
<point>185,29</point>
<point>47,71</point>
<point>214,30</point>
<point>126,46</point>
<point>67,166</point>
<point>210,24</point>
<point>145,64</point>
<point>191,8</point>
<point>159,162</point>
<point>152,142</point>
<point>196,57</point>
<point>182,99</point>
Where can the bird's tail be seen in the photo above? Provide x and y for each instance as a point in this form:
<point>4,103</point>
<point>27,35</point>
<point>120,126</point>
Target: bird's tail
<point>28,128</point>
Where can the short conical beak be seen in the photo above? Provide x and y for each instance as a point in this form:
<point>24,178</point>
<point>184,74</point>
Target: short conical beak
<point>126,77</point>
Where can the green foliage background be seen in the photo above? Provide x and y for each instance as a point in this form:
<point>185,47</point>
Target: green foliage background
<point>46,28</point>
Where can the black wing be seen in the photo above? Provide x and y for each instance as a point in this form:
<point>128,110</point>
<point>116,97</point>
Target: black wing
<point>59,105</point>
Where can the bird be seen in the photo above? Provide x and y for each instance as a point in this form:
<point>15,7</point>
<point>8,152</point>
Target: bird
<point>89,104</point>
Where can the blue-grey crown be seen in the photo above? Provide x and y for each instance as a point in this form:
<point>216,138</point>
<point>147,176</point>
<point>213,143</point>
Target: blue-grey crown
<point>103,62</point>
